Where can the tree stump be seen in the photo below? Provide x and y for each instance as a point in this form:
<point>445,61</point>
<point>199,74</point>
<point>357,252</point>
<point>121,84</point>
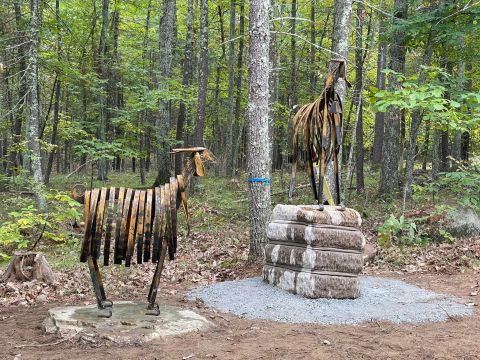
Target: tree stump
<point>27,266</point>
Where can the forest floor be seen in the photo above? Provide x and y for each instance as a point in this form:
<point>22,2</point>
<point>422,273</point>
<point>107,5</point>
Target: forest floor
<point>217,250</point>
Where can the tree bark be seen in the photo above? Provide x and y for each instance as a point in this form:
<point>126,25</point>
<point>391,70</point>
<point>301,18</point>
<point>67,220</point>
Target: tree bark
<point>417,117</point>
<point>167,39</point>
<point>340,37</point>
<point>186,81</point>
<point>359,153</point>
<point>380,116</point>
<point>34,111</point>
<point>56,105</point>
<point>202,74</point>
<point>231,89</point>
<point>143,114</point>
<point>293,57</point>
<point>239,82</point>
<point>259,143</point>
<point>102,98</point>
<point>389,176</point>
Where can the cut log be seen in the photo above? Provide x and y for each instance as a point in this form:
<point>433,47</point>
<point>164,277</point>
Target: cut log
<point>28,266</point>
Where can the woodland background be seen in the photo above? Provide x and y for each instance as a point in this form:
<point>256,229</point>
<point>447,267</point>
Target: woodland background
<point>100,91</point>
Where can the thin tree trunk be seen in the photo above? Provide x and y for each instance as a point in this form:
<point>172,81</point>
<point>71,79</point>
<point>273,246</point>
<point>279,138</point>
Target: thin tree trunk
<point>359,153</point>
<point>167,40</point>
<point>56,105</point>
<point>313,36</point>
<point>186,81</point>
<point>15,156</point>
<point>389,178</point>
<point>380,116</point>
<point>293,57</point>
<point>238,95</point>
<point>259,143</point>
<point>202,74</point>
<point>231,89</point>
<point>34,111</point>
<point>417,117</point>
<point>143,114</point>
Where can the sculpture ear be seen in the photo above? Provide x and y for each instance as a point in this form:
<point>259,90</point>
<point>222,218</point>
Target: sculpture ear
<point>199,168</point>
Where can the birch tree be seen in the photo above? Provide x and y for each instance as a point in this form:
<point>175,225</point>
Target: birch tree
<point>34,109</point>
<point>259,143</point>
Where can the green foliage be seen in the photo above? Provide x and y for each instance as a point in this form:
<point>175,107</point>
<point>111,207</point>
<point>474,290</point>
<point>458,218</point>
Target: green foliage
<point>27,225</point>
<point>399,231</point>
<point>465,184</point>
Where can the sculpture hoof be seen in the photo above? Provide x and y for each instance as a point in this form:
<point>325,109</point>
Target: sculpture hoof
<point>107,303</point>
<point>341,207</point>
<point>153,309</point>
<point>105,312</point>
<point>321,207</point>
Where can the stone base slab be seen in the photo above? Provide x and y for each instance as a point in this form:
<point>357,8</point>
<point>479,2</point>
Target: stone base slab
<point>128,324</point>
<point>312,285</point>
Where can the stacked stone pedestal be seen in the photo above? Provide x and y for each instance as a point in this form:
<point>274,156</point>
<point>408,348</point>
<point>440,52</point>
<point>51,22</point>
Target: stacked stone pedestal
<point>315,253</point>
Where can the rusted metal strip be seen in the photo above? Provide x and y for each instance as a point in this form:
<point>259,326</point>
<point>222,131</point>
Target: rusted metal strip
<point>109,225</point>
<point>168,216</point>
<point>122,242</point>
<point>97,240</point>
<point>89,226</point>
<point>147,224</point>
<point>86,211</point>
<point>156,224</point>
<point>132,228</point>
<point>139,232</point>
<point>172,247</point>
<point>117,256</point>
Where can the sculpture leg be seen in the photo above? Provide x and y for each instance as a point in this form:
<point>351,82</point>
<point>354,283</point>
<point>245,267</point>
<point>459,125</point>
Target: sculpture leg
<point>105,301</point>
<point>103,309</point>
<point>336,137</point>
<point>152,308</point>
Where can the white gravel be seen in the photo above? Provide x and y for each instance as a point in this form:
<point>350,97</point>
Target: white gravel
<point>380,299</point>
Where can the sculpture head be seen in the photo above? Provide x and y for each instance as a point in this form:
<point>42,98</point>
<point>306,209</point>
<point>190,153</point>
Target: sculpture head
<point>194,161</point>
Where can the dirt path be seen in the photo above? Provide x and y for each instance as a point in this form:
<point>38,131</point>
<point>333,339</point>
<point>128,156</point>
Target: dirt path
<point>235,338</point>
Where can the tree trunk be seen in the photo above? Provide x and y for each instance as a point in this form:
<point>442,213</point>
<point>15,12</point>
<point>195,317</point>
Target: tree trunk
<point>34,111</point>
<point>417,117</point>
<point>143,114</point>
<point>167,39</point>
<point>389,177</point>
<point>238,95</point>
<point>293,57</point>
<point>359,153</point>
<point>102,98</point>
<point>186,81</point>
<point>380,116</point>
<point>259,143</point>
<point>15,156</point>
<point>313,36</point>
<point>231,89</point>
<point>202,75</point>
<point>341,32</point>
<point>56,105</point>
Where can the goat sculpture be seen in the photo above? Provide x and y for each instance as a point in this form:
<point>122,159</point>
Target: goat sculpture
<point>318,125</point>
<point>138,221</point>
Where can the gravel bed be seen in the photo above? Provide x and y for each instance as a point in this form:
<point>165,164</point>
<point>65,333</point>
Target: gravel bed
<point>380,299</point>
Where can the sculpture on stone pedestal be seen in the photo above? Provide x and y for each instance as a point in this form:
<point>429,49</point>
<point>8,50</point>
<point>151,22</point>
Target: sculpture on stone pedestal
<point>318,127</point>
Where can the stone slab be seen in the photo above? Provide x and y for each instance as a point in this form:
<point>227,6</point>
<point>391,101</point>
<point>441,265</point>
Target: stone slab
<point>128,324</point>
<point>310,214</point>
<point>308,258</point>
<point>312,285</point>
<point>316,235</point>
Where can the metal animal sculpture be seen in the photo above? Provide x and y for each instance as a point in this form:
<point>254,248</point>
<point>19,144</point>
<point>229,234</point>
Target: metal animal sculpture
<point>135,224</point>
<point>318,128</point>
